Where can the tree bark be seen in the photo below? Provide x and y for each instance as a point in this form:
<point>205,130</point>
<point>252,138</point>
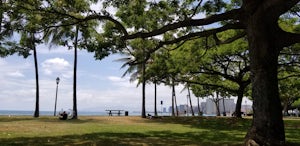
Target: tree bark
<point>175,101</point>
<point>217,103</point>
<point>75,116</point>
<point>143,87</point>
<point>198,102</point>
<point>173,98</point>
<point>155,98</point>
<point>189,94</point>
<point>285,108</point>
<point>224,110</point>
<point>267,125</point>
<point>238,106</point>
<point>37,108</point>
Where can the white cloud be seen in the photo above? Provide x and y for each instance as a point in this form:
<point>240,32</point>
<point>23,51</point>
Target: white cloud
<point>2,62</point>
<point>50,66</point>
<point>116,79</point>
<point>16,74</point>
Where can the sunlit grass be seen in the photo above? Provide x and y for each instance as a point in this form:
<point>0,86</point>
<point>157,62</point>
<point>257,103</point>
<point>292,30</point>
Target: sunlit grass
<point>24,130</point>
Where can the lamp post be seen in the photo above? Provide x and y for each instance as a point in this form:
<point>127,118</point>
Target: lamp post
<point>57,82</point>
<point>161,104</point>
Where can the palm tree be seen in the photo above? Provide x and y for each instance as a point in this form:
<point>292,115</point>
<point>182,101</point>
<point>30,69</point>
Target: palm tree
<point>36,111</point>
<point>155,98</point>
<point>189,97</point>
<point>136,70</point>
<point>75,75</point>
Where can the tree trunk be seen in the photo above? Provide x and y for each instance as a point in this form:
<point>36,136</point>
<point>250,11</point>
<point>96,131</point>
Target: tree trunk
<point>189,94</point>
<point>175,101</point>
<point>217,103</point>
<point>173,98</point>
<point>143,87</point>
<point>37,109</point>
<point>285,108</point>
<point>75,116</point>
<point>155,98</point>
<point>267,125</point>
<point>238,106</point>
<point>224,110</point>
<point>199,110</point>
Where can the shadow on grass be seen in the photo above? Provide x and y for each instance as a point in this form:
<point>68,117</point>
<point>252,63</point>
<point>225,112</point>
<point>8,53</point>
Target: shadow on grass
<point>151,138</point>
<point>209,123</point>
<point>212,131</point>
<point>44,119</point>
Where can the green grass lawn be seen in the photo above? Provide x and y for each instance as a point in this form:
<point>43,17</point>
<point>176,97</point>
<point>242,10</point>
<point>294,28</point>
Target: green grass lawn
<point>25,130</point>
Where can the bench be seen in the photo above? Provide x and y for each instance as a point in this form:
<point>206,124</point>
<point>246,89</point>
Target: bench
<point>116,112</point>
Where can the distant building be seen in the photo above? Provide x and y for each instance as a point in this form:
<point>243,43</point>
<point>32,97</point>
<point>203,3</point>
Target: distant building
<point>209,106</point>
<point>164,110</point>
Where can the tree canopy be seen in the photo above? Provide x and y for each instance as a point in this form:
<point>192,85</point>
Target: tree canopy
<point>169,24</point>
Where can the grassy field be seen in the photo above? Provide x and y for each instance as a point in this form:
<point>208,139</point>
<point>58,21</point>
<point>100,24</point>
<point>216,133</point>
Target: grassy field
<point>25,130</point>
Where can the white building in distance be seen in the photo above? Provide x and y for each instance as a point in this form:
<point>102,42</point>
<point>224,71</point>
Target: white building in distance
<point>209,107</point>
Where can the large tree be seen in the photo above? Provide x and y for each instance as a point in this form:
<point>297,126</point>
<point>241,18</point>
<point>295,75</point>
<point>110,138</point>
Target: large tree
<point>230,65</point>
<point>175,22</point>
<point>259,22</point>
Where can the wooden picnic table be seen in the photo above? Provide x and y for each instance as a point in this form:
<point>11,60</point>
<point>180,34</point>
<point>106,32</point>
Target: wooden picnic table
<point>111,112</point>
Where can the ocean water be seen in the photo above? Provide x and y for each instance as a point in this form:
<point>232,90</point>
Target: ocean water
<point>80,113</point>
<point>48,113</point>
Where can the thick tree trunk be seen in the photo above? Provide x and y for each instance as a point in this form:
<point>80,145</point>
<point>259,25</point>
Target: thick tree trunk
<point>285,109</point>
<point>267,124</point>
<point>238,106</point>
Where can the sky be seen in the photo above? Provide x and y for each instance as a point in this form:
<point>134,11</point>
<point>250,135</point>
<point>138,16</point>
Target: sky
<point>99,83</point>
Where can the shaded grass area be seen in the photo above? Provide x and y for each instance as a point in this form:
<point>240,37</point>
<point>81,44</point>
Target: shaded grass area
<point>131,131</point>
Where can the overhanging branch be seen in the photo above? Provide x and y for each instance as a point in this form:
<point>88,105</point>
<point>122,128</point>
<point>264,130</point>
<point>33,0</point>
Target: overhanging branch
<point>230,15</point>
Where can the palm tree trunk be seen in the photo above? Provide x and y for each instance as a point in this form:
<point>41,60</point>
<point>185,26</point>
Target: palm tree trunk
<point>189,94</point>
<point>224,110</point>
<point>173,99</point>
<point>37,110</point>
<point>199,111</point>
<point>144,87</point>
<point>75,116</point>
<point>155,98</point>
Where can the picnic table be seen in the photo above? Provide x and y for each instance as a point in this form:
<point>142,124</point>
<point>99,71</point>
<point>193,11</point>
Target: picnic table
<point>111,112</point>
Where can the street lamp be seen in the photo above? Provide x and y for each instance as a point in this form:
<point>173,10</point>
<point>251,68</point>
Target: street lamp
<point>57,82</point>
<point>161,109</point>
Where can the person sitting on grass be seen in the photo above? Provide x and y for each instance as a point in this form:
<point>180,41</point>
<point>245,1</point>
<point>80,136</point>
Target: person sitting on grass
<point>63,116</point>
<point>149,116</point>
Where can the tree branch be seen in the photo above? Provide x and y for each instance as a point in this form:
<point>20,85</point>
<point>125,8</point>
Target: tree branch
<point>289,76</point>
<point>289,39</point>
<point>230,40</point>
<point>230,15</point>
